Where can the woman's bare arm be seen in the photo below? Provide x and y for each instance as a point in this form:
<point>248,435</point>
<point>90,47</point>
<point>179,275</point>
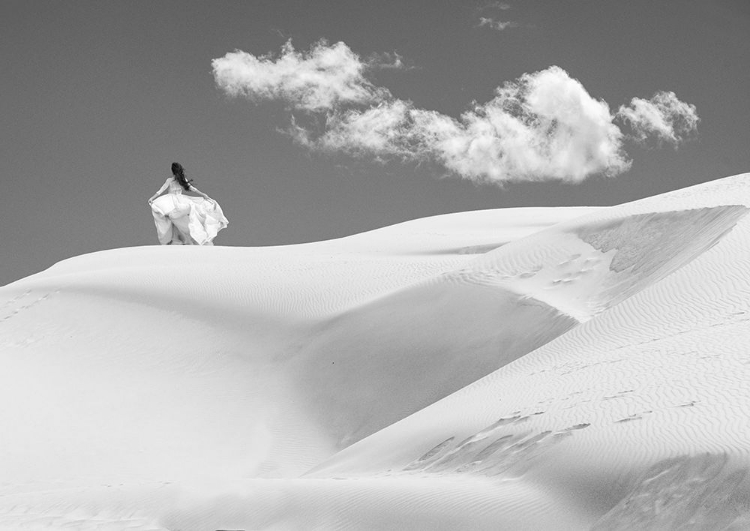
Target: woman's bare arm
<point>194,189</point>
<point>161,190</point>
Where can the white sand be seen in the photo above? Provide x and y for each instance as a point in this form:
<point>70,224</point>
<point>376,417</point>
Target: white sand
<point>559,368</point>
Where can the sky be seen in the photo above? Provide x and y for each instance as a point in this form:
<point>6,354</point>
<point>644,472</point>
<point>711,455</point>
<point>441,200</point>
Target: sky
<point>311,120</point>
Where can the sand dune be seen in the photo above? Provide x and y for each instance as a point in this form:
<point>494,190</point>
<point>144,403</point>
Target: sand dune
<point>562,368</point>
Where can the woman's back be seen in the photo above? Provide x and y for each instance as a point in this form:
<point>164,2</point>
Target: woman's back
<point>174,186</point>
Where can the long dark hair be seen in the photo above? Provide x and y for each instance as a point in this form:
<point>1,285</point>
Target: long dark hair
<point>179,173</point>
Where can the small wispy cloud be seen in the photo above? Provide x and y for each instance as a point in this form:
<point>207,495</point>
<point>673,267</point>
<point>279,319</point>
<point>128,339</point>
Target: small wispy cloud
<point>493,22</point>
<point>663,117</point>
<point>542,126</point>
<point>502,6</point>
<point>496,24</point>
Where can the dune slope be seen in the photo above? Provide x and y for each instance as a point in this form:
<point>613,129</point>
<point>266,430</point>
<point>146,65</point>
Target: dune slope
<point>635,419</point>
<point>164,363</point>
<point>522,369</point>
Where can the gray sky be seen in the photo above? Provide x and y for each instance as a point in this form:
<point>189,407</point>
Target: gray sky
<point>99,97</point>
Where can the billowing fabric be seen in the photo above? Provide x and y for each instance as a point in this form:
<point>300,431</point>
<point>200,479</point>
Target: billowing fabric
<point>185,220</point>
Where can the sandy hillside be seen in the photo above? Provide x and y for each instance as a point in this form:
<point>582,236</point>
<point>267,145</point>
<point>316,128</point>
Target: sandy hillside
<point>559,368</point>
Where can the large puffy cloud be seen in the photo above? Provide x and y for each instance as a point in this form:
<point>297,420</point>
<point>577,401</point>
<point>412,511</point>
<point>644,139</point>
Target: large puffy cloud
<point>663,117</point>
<point>545,125</point>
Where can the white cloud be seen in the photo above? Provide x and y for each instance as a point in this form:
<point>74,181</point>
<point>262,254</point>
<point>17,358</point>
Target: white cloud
<point>495,5</point>
<point>323,78</point>
<point>663,116</point>
<point>496,24</point>
<point>382,131</point>
<point>543,126</point>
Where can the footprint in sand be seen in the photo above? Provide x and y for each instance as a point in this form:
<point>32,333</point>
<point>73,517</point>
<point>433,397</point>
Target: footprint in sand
<point>12,312</point>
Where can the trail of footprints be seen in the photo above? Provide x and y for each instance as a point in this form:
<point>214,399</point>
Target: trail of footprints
<point>492,451</point>
<point>24,301</point>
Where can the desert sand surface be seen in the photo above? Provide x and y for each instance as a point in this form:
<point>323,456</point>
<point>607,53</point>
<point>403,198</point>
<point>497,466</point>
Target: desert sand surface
<point>561,368</point>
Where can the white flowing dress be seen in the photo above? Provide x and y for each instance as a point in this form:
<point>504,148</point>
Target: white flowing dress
<point>185,220</point>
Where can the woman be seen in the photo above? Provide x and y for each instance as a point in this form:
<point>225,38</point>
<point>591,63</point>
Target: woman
<point>182,219</point>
